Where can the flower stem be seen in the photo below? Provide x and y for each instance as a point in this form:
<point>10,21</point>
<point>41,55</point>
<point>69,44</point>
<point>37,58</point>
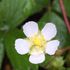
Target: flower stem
<point>64,14</point>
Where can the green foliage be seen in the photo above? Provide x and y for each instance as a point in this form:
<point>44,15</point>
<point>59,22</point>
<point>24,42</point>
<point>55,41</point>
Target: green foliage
<point>58,62</point>
<point>67,59</point>
<point>1,48</point>
<point>67,7</point>
<point>14,12</point>
<point>1,53</point>
<point>56,6</point>
<point>68,68</point>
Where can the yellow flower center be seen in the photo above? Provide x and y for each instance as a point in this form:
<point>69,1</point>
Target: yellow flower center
<point>38,43</point>
<point>38,40</point>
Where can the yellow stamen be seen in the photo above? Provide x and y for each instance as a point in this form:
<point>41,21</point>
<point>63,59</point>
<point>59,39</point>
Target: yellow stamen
<point>38,40</point>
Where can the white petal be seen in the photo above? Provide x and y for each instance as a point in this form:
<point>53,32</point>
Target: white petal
<point>49,31</point>
<point>51,47</point>
<point>36,50</point>
<point>22,46</point>
<point>36,59</point>
<point>30,28</point>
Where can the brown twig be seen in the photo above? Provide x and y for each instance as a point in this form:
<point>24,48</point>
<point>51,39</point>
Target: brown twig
<point>64,14</point>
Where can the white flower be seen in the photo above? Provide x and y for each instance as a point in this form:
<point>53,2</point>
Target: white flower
<point>37,42</point>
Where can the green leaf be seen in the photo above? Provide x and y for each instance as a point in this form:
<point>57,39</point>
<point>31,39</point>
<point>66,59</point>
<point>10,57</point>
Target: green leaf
<point>68,68</point>
<point>60,25</point>
<point>56,6</point>
<point>67,59</point>
<point>68,40</point>
<point>1,53</point>
<point>53,63</point>
<point>19,62</point>
<point>67,7</point>
<point>1,48</point>
<point>58,62</point>
<point>14,12</point>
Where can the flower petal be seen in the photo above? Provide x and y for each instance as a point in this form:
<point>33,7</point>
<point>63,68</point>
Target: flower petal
<point>22,46</point>
<point>36,50</point>
<point>51,47</point>
<point>30,28</point>
<point>36,59</point>
<point>49,31</point>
